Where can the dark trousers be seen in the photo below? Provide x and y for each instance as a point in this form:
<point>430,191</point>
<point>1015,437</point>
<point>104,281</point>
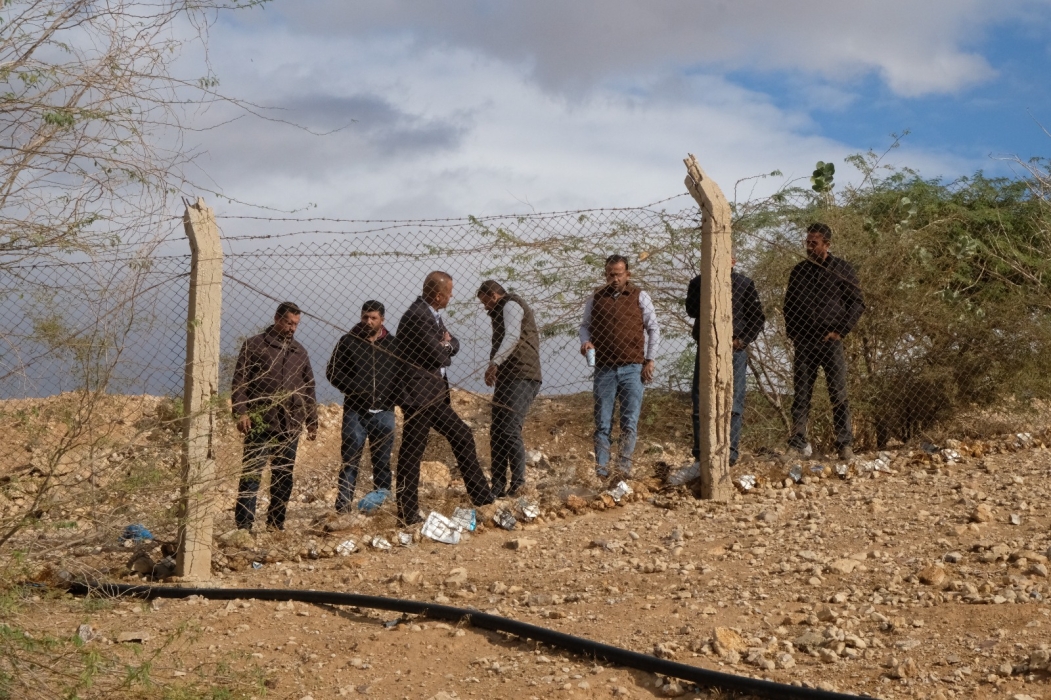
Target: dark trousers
<point>418,422</point>
<point>359,426</point>
<point>280,450</point>
<point>511,402</point>
<point>810,356</point>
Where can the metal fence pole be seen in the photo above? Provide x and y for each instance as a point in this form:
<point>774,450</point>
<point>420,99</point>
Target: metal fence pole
<point>200,391</point>
<point>715,354</point>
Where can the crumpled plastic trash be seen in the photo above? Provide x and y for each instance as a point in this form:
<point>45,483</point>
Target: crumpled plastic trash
<point>440,529</point>
<point>620,491</point>
<point>842,470</point>
<point>530,511</point>
<point>685,475</point>
<point>373,500</point>
<point>505,519</point>
<point>135,533</point>
<point>796,473</point>
<point>381,543</point>
<point>746,482</point>
<point>465,519</point>
<point>405,539</point>
<point>346,548</point>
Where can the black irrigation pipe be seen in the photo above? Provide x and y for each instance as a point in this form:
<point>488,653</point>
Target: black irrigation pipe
<point>568,642</point>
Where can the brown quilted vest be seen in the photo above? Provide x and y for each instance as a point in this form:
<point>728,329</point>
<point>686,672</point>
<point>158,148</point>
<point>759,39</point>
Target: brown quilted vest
<point>616,327</point>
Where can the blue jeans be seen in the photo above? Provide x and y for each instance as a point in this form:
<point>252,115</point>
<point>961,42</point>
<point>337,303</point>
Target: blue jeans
<point>737,412</point>
<point>621,385</point>
<point>378,429</point>
<point>511,402</point>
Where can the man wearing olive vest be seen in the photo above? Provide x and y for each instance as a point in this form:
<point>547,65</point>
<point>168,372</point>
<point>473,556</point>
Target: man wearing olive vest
<point>514,372</point>
<point>620,325</point>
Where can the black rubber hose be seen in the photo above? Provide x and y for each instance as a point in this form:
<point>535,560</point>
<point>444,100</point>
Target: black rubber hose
<point>576,645</point>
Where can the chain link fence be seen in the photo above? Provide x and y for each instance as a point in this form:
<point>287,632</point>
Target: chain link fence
<point>93,355</point>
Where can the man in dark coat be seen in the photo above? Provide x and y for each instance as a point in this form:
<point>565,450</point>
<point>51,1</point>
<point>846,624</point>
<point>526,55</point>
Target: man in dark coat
<point>514,372</point>
<point>273,399</point>
<point>425,349</point>
<point>823,303</point>
<point>362,368</point>
<point>748,321</point>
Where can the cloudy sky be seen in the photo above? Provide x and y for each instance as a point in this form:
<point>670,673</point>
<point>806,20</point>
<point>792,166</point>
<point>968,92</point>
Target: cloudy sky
<point>484,107</point>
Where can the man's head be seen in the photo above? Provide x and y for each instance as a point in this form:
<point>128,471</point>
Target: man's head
<point>617,272</point>
<point>818,239</point>
<point>490,293</point>
<point>438,289</point>
<point>286,319</point>
<point>372,316</point>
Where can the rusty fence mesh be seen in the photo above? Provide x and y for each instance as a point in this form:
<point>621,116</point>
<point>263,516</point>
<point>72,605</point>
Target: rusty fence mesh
<point>93,350</point>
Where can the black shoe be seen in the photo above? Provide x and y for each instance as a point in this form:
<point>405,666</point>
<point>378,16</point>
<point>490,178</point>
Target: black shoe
<point>411,520</point>
<point>491,498</point>
<point>515,491</point>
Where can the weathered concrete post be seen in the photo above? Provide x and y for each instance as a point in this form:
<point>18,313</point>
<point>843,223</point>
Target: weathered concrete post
<point>715,356</point>
<point>200,390</point>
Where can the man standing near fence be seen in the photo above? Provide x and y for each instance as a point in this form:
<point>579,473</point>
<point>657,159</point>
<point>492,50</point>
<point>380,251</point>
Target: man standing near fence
<point>620,325</point>
<point>514,371</point>
<point>425,349</point>
<point>273,399</point>
<point>362,368</point>
<point>748,321</point>
<point>823,303</point>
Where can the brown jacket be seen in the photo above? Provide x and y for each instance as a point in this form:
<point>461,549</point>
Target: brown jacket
<point>617,330</point>
<point>274,383</point>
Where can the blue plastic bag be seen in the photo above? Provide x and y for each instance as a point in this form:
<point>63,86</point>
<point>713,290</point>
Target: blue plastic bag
<point>136,533</point>
<point>373,500</point>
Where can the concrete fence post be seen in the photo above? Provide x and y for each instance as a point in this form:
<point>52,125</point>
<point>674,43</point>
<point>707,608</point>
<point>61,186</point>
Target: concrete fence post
<point>200,392</point>
<point>715,346</point>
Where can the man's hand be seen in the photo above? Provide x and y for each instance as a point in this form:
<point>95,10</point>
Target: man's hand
<point>244,424</point>
<point>833,336</point>
<point>738,345</point>
<point>585,347</point>
<point>312,433</point>
<point>647,371</point>
<point>490,375</point>
<point>446,337</point>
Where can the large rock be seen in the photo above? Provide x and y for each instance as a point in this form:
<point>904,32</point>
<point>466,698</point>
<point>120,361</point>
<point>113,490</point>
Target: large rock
<point>725,640</point>
<point>982,513</point>
<point>932,576</point>
<point>842,566</point>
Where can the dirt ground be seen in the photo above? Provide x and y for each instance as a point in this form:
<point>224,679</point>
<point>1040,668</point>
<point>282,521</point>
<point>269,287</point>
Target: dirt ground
<point>921,574</point>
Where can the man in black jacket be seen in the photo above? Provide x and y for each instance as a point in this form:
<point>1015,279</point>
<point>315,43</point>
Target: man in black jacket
<point>424,349</point>
<point>823,303</point>
<point>273,399</point>
<point>362,368</point>
<point>514,372</point>
<point>748,321</point>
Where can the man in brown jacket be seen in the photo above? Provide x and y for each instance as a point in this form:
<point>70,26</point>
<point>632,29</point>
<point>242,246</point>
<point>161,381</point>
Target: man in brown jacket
<point>273,398</point>
<point>620,326</point>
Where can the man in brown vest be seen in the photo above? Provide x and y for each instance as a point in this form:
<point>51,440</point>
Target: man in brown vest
<point>620,325</point>
<point>514,371</point>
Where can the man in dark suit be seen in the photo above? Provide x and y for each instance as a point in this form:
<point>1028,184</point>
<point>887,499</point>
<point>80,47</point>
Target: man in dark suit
<point>425,348</point>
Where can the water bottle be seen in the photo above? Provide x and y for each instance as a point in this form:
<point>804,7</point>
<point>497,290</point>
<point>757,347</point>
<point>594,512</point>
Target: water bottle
<point>591,357</point>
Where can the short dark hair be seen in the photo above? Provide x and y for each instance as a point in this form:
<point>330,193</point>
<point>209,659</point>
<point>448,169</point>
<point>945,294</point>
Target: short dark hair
<point>614,259</point>
<point>287,307</point>
<point>373,305</point>
<point>824,229</point>
<point>491,288</point>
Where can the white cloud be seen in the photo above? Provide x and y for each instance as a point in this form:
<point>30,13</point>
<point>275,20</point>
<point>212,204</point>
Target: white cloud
<point>917,48</point>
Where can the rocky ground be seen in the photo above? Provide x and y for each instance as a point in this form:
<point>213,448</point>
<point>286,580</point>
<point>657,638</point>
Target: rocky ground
<point>920,572</point>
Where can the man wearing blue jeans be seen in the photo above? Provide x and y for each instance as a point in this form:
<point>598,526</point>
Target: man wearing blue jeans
<point>748,321</point>
<point>620,325</point>
<point>362,368</point>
